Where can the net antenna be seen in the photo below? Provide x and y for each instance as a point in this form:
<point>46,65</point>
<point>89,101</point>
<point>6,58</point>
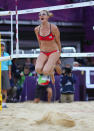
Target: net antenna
<point>36,10</point>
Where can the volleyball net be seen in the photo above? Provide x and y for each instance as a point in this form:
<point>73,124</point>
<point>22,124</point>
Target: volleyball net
<point>36,10</point>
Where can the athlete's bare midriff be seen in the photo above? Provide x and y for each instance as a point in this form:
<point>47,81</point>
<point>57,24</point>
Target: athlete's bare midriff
<point>48,46</point>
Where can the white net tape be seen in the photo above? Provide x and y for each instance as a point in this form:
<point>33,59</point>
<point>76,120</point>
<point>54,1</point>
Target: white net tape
<point>59,7</point>
<point>36,55</point>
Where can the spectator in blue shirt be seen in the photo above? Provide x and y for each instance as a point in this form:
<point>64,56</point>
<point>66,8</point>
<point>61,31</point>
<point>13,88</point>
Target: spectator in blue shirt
<point>6,74</point>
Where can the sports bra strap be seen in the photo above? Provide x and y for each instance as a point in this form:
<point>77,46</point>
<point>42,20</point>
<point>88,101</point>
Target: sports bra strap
<point>50,28</point>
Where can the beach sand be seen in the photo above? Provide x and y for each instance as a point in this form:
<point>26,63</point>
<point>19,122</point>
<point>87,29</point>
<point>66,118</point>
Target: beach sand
<point>28,116</point>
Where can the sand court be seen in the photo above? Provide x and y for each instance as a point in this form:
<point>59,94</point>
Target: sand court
<point>44,116</point>
<point>56,118</point>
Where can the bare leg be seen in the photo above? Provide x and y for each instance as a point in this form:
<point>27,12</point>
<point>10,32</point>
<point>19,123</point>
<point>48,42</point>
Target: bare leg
<point>50,65</point>
<point>49,90</point>
<point>4,92</point>
<point>42,58</point>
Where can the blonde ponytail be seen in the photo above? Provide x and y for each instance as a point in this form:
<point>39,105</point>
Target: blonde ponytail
<point>50,14</point>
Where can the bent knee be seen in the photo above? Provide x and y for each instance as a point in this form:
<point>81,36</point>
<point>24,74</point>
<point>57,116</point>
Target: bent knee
<point>46,72</point>
<point>38,70</point>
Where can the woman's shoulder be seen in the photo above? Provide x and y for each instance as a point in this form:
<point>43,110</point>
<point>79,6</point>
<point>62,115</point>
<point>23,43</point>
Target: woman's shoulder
<point>36,28</point>
<point>54,27</point>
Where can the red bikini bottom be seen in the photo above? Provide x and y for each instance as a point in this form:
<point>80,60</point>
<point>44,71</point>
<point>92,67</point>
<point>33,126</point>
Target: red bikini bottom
<point>48,53</point>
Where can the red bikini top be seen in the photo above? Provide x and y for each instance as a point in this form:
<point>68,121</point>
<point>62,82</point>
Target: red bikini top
<point>48,37</point>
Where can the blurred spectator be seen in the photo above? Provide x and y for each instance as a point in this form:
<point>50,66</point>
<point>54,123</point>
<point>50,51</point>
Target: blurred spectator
<point>89,61</point>
<point>14,66</point>
<point>15,71</point>
<point>20,82</point>
<point>28,62</point>
<point>42,87</point>
<point>92,63</point>
<point>13,81</point>
<point>12,92</point>
<point>76,64</point>
<point>33,62</point>
<point>81,61</point>
<point>68,66</point>
<point>6,74</point>
<point>67,81</point>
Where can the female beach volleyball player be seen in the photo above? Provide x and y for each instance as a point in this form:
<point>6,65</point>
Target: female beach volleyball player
<point>48,37</point>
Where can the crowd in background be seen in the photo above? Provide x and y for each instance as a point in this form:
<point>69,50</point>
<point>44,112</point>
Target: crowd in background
<point>19,71</point>
<point>14,74</point>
